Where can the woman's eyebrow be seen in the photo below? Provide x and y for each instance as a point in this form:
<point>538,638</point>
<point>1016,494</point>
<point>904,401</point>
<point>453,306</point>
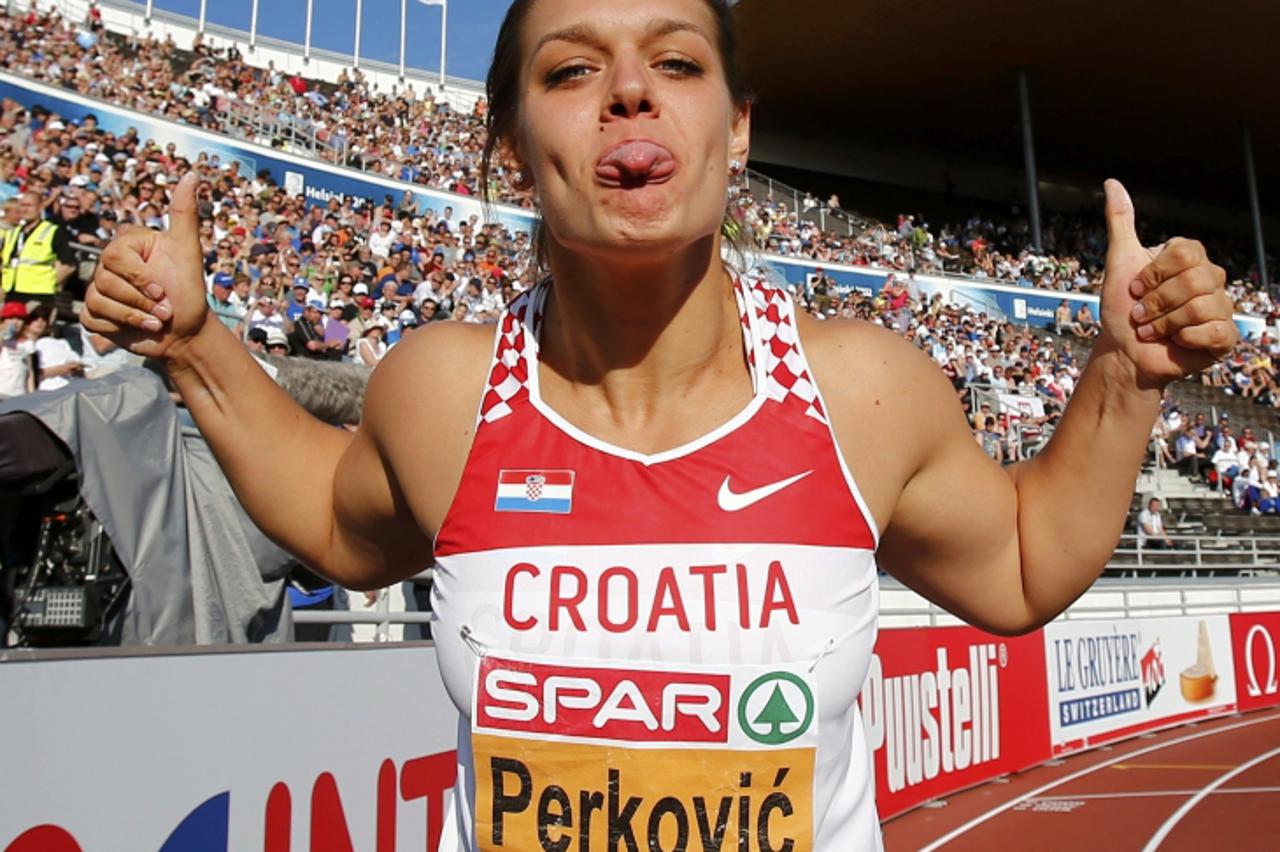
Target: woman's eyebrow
<point>576,34</point>
<point>588,35</point>
<point>659,27</point>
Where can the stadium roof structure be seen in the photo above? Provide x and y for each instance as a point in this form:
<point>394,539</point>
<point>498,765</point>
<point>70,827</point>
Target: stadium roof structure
<point>1156,94</point>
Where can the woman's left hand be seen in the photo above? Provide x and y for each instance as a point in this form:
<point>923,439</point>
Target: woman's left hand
<point>1165,309</point>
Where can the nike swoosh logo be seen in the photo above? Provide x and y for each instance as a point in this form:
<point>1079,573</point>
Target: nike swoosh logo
<point>731,501</point>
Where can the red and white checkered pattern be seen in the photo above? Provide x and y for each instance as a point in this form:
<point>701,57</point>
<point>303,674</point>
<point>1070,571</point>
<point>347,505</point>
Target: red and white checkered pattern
<point>533,487</point>
<point>508,383</point>
<point>785,374</point>
<point>744,314</point>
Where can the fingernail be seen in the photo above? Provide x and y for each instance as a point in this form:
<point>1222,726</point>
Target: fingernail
<point>152,324</point>
<point>154,292</point>
<point>162,310</point>
<point>1146,332</point>
<point>1137,289</point>
<point>1139,311</point>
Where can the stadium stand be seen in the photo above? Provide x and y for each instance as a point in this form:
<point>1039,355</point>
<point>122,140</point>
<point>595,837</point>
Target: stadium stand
<point>337,282</point>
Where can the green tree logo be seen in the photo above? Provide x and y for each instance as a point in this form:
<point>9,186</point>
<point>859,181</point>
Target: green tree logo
<point>777,721</point>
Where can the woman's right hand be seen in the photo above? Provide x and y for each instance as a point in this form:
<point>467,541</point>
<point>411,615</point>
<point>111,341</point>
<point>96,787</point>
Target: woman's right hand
<point>148,294</point>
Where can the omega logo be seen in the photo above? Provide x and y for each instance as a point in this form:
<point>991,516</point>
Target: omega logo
<point>1272,687</point>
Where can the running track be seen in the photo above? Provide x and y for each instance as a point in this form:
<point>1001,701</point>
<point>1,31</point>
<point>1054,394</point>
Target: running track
<point>1206,786</point>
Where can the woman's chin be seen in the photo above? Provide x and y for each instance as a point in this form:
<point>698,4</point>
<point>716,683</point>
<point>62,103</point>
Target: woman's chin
<point>661,229</point>
<point>645,242</point>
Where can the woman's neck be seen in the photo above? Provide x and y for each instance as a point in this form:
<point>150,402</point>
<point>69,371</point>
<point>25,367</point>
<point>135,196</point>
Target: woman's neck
<point>641,333</point>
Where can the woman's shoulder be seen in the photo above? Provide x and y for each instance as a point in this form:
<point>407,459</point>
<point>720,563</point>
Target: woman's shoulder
<point>873,375</point>
<point>420,407</point>
<point>860,348</point>
<point>450,359</point>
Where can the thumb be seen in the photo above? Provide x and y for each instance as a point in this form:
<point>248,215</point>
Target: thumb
<point>184,225</point>
<point>1122,235</point>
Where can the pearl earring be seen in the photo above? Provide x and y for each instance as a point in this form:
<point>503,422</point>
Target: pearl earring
<point>735,167</point>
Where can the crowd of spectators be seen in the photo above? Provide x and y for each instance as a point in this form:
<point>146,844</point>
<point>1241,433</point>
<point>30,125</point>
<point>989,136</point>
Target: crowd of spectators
<point>271,261</point>
<point>419,139</point>
<point>1239,463</point>
<point>398,135</point>
<point>983,248</point>
<point>1012,380</point>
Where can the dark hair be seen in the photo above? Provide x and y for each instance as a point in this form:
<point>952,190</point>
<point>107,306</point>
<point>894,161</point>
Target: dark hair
<point>39,312</point>
<point>502,87</point>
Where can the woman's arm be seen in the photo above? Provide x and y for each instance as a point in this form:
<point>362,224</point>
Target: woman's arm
<point>241,411</point>
<point>1009,549</point>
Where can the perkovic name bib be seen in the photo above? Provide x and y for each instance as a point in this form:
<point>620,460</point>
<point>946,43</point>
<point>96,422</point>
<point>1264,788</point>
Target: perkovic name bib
<point>629,757</point>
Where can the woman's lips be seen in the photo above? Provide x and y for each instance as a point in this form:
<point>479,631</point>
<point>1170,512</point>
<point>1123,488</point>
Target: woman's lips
<point>635,163</point>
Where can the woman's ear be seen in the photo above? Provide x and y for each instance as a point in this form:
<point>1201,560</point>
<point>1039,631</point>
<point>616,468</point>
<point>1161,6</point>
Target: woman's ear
<point>740,133</point>
<point>513,164</point>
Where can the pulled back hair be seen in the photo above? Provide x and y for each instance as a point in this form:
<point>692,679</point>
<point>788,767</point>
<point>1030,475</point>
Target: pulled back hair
<point>502,89</point>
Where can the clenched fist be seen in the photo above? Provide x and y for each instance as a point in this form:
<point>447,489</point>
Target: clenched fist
<point>1166,309</point>
<point>148,294</point>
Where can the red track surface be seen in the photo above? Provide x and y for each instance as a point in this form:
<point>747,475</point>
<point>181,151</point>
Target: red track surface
<point>1203,787</point>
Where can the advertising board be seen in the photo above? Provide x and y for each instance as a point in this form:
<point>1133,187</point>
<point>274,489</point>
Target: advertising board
<point>244,750</point>
<point>1255,638</point>
<point>1112,679</point>
<point>948,707</point>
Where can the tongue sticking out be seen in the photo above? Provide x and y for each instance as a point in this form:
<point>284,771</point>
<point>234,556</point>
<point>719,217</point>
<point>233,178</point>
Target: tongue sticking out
<point>635,163</point>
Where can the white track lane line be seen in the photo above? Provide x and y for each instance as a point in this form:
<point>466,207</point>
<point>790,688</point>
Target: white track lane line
<point>994,812</point>
<point>1143,794</point>
<point>1163,831</point>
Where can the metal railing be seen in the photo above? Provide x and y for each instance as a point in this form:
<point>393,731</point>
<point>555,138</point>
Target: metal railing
<point>1201,575</point>
<point>1023,440</point>
<point>805,205</point>
<point>1109,598</point>
<point>274,128</point>
<point>382,616</point>
<point>1197,556</point>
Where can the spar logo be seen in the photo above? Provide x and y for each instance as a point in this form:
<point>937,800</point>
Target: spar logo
<point>587,702</point>
<point>938,721</point>
<point>776,708</point>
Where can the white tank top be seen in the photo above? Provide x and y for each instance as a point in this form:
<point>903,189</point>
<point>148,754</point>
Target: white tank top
<point>658,652</point>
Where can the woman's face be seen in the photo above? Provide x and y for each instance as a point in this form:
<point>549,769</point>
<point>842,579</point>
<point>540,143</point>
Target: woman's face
<point>626,125</point>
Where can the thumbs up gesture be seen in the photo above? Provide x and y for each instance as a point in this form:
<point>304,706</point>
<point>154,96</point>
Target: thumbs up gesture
<point>148,294</point>
<point>1165,308</point>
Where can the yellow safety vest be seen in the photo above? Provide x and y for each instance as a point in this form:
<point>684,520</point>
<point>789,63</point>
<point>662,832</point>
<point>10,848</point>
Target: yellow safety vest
<point>31,268</point>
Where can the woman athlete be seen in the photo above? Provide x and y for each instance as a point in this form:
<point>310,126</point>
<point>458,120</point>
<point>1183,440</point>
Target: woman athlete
<point>657,540</point>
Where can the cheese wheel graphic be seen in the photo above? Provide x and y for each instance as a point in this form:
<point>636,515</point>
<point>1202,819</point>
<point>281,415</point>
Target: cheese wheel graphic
<point>1198,680</point>
<point>1197,683</point>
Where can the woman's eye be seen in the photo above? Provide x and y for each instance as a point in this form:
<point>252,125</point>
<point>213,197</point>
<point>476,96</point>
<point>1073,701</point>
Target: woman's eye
<point>566,74</point>
<point>682,67</point>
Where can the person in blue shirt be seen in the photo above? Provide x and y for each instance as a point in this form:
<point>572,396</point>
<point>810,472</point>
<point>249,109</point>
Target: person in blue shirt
<point>299,303</point>
<point>219,302</point>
